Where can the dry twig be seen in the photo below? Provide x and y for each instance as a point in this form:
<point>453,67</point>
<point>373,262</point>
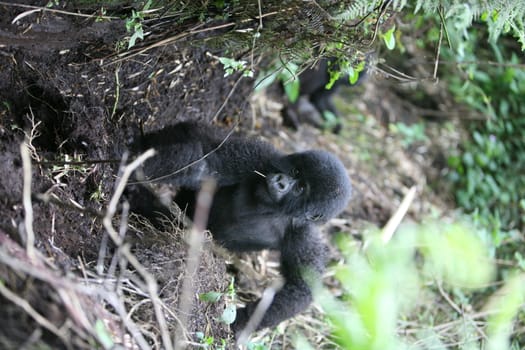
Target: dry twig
<point>28,207</point>
<point>195,241</point>
<point>392,224</point>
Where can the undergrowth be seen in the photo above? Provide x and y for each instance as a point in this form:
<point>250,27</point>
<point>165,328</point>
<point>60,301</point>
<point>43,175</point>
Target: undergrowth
<point>488,170</point>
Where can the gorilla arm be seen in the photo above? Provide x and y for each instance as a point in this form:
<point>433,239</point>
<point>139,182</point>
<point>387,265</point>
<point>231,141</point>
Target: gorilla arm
<point>303,256</point>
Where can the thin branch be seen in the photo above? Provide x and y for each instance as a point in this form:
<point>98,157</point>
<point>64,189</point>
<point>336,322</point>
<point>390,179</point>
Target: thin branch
<point>260,310</point>
<point>195,242</point>
<point>227,98</point>
<point>436,65</point>
<point>392,224</point>
<point>195,30</point>
<point>449,300</point>
<point>117,92</point>
<point>12,255</point>
<point>117,303</point>
<point>119,189</point>
<point>28,207</point>
<point>24,304</point>
<point>47,9</point>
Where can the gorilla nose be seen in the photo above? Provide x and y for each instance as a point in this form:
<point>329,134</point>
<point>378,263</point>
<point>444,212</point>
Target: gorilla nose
<point>282,182</point>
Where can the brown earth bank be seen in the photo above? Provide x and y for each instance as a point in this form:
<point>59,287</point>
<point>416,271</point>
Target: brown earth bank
<point>63,89</point>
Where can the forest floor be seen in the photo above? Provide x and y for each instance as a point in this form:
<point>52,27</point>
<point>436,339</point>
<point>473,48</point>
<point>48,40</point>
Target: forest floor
<point>65,90</point>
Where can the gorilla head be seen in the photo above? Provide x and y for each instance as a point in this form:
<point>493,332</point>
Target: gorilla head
<point>312,185</point>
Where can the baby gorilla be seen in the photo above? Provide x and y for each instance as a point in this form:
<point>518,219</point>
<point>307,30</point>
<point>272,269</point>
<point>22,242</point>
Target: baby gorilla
<point>264,200</point>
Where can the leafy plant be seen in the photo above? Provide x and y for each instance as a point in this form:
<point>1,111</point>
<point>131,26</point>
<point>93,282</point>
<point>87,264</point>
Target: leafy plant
<point>228,315</point>
<point>256,346</point>
<point>134,24</point>
<point>488,170</point>
<point>382,285</point>
<point>230,311</point>
<point>505,16</point>
<point>231,66</point>
<point>209,342</point>
<point>52,3</point>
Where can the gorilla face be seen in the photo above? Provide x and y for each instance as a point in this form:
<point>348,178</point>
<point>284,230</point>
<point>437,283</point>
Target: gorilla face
<point>312,185</point>
<point>280,185</point>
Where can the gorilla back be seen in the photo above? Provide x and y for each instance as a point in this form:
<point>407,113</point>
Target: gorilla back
<point>265,200</point>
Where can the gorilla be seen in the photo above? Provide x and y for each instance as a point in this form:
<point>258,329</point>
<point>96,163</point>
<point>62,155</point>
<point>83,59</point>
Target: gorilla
<point>264,200</point>
<point>315,99</point>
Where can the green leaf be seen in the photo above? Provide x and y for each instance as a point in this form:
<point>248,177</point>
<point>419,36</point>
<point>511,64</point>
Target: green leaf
<point>353,75</point>
<point>445,245</point>
<point>231,288</point>
<point>256,346</point>
<point>288,76</point>
<point>264,80</point>
<point>139,34</point>
<point>390,39</point>
<point>503,308</point>
<point>454,162</point>
<point>468,159</point>
<point>103,335</point>
<point>226,61</point>
<point>229,314</point>
<point>334,76</point>
<point>292,90</point>
<point>330,119</point>
<point>210,297</point>
<point>231,66</point>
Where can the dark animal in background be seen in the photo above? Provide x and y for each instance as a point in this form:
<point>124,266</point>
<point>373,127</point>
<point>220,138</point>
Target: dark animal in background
<point>264,200</point>
<point>315,100</point>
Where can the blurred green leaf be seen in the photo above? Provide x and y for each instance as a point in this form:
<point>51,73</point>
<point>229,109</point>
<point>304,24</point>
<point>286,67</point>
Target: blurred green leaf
<point>503,308</point>
<point>210,297</point>
<point>292,90</point>
<point>103,335</point>
<point>446,245</point>
<point>390,39</point>
<point>229,314</point>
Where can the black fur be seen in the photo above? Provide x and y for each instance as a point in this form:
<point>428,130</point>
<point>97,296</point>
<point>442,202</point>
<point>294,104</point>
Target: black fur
<point>279,209</point>
<point>315,99</point>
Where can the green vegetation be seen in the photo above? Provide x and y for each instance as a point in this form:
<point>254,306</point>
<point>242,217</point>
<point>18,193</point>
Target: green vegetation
<point>489,170</point>
<point>232,66</point>
<point>383,286</point>
<point>384,290</point>
<point>134,24</point>
<point>410,133</point>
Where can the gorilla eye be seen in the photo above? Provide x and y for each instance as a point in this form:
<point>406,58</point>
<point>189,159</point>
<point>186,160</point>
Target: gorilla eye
<point>299,188</point>
<point>295,172</point>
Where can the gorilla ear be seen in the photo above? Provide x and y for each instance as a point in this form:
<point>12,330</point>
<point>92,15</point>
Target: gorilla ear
<point>315,217</point>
